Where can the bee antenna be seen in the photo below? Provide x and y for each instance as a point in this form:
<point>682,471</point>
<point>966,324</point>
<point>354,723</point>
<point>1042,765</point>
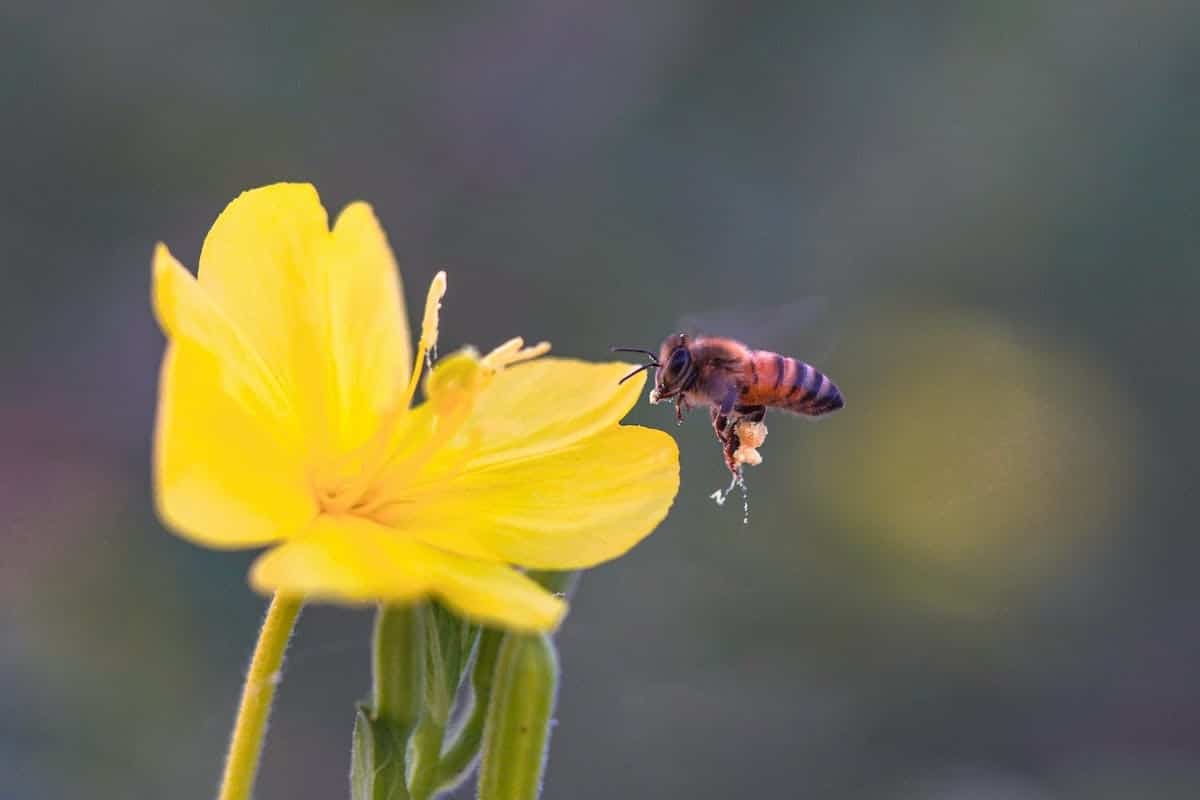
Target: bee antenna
<point>648,353</point>
<point>635,372</point>
<point>651,353</point>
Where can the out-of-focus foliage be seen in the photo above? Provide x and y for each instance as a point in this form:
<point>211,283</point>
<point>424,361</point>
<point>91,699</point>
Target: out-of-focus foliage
<point>976,580</point>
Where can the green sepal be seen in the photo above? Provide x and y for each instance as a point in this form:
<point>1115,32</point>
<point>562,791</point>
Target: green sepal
<point>362,756</point>
<point>449,641</point>
<point>377,759</point>
<point>517,730</point>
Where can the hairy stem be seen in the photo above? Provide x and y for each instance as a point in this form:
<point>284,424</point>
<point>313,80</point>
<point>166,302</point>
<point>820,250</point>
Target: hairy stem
<point>245,744</point>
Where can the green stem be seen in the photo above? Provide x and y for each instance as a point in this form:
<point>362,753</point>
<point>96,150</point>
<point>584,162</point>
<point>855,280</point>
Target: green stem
<point>245,744</point>
<point>460,754</point>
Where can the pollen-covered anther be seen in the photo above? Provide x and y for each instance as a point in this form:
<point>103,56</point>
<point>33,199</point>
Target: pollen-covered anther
<point>513,352</point>
<point>433,307</point>
<point>750,435</point>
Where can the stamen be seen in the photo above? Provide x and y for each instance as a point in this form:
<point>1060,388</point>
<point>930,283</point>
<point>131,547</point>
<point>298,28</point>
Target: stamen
<point>505,350</point>
<point>444,428</point>
<point>512,352</point>
<point>429,334</point>
<point>359,494</point>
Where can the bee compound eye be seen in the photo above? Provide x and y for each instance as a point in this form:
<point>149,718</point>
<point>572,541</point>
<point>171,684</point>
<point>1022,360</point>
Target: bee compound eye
<point>678,360</point>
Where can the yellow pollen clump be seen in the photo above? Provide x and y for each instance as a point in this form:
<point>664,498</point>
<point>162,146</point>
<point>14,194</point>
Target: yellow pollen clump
<point>750,435</point>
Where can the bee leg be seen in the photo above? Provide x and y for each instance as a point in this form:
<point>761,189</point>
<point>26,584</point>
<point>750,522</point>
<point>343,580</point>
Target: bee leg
<point>750,413</point>
<point>720,425</point>
<point>720,422</point>
<point>730,442</point>
<point>726,413</point>
<point>680,407</point>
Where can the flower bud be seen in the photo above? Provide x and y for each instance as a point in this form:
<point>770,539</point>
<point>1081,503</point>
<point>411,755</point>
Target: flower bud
<point>381,733</point>
<point>517,731</point>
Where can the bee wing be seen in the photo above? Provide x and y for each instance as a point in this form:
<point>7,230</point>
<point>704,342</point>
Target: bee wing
<point>801,329</point>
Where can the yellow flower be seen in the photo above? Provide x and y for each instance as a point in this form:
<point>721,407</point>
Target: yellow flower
<point>284,419</point>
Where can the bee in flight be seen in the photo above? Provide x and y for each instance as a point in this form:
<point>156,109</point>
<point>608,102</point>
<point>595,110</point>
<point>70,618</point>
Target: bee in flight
<point>737,383</point>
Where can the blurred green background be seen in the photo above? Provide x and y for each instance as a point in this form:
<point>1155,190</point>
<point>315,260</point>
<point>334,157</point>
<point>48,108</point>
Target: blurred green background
<point>976,581</point>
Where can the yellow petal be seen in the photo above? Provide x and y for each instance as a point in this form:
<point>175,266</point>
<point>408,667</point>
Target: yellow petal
<point>258,265</point>
<point>228,470</point>
<point>323,309</point>
<point>188,314</point>
<point>367,324</point>
<point>545,405</point>
<point>221,477</point>
<point>577,507</point>
<point>352,560</point>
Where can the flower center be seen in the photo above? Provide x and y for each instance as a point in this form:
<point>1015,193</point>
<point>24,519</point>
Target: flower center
<point>395,459</point>
<point>365,482</point>
<point>337,494</point>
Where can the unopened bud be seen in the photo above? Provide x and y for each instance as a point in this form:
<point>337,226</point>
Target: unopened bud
<point>517,732</point>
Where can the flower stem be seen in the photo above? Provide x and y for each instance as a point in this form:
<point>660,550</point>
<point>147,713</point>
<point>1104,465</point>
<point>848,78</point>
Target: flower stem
<point>459,755</point>
<point>245,744</point>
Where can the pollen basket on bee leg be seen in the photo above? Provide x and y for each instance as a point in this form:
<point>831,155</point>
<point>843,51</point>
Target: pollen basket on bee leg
<point>751,435</point>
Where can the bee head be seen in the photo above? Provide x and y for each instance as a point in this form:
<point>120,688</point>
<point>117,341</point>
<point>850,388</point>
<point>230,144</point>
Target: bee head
<point>672,366</point>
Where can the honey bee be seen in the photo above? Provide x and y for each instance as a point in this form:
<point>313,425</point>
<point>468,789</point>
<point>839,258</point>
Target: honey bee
<point>737,383</point>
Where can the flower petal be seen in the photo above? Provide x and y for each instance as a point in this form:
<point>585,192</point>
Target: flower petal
<point>228,471</point>
<point>577,507</point>
<point>542,406</point>
<point>352,560</point>
<point>323,309</point>
<point>188,314</point>
<point>367,324</point>
<point>221,478</point>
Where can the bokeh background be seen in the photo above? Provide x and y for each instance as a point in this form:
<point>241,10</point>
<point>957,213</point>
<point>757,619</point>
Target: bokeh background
<point>976,581</point>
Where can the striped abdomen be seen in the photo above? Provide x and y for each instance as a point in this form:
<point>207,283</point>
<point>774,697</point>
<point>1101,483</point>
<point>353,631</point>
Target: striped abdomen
<point>789,383</point>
